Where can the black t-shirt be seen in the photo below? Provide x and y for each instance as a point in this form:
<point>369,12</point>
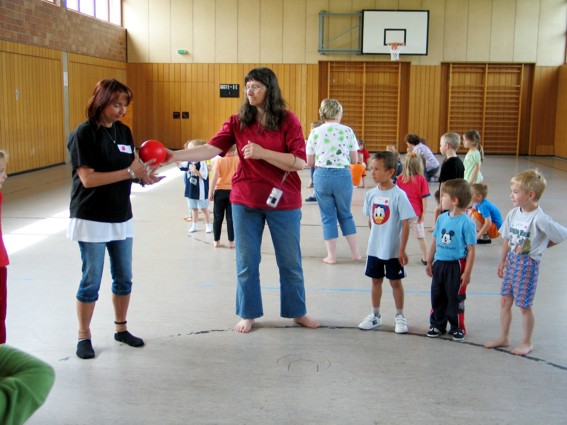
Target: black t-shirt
<point>452,168</point>
<point>96,148</point>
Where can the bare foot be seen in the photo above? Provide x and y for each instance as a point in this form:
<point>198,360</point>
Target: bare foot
<point>307,322</point>
<point>329,260</point>
<point>244,326</point>
<point>498,342</point>
<point>357,258</point>
<point>231,245</point>
<point>188,218</point>
<point>217,244</point>
<point>523,349</point>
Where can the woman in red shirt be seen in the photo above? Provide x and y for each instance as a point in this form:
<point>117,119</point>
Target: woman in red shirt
<point>265,189</point>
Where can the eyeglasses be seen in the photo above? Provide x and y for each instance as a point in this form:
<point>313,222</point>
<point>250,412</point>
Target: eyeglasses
<point>255,89</point>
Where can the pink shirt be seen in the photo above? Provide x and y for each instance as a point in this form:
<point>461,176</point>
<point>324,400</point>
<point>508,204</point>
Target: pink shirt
<point>416,189</point>
<point>254,179</point>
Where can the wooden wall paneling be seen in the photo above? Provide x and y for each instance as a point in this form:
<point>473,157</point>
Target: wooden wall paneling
<point>84,73</point>
<point>382,104</point>
<point>466,97</point>
<point>33,109</point>
<point>560,145</point>
<point>502,108</point>
<point>488,98</point>
<point>347,85</point>
<point>313,100</point>
<point>403,107</point>
<point>544,104</point>
<point>424,104</point>
<point>527,108</point>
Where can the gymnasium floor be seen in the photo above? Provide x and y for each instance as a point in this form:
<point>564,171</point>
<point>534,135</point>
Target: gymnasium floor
<point>195,369</point>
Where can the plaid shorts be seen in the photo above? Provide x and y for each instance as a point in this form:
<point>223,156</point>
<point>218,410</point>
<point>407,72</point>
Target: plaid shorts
<point>520,279</point>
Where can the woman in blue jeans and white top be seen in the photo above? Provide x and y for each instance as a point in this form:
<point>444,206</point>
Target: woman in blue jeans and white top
<point>332,147</point>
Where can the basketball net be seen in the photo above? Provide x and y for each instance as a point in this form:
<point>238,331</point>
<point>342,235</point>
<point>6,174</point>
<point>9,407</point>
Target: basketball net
<point>395,50</point>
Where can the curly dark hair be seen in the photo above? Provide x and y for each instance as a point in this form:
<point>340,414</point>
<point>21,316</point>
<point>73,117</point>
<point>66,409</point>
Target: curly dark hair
<point>275,107</point>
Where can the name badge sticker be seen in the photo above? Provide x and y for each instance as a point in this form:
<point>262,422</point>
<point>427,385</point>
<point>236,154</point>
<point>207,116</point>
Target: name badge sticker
<point>125,148</point>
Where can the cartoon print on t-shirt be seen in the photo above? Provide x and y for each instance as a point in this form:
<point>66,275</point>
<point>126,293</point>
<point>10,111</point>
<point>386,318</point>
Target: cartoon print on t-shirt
<point>520,241</point>
<point>446,236</point>
<point>380,210</point>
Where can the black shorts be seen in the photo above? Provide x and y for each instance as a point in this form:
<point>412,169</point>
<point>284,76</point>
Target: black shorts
<point>377,268</point>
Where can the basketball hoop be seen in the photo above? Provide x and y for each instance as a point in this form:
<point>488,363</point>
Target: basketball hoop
<point>394,48</point>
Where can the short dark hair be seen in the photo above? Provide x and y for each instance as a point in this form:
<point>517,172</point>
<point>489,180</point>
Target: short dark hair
<point>104,93</point>
<point>389,159</point>
<point>413,139</point>
<point>460,189</point>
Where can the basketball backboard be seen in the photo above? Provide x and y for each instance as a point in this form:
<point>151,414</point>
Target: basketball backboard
<point>383,27</point>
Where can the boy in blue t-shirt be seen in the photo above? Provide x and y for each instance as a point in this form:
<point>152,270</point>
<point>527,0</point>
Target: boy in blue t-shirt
<point>485,215</point>
<point>450,261</point>
<point>389,212</point>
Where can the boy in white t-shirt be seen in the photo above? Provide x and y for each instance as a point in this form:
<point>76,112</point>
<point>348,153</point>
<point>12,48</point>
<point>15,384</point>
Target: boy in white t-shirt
<point>527,232</point>
<point>389,212</point>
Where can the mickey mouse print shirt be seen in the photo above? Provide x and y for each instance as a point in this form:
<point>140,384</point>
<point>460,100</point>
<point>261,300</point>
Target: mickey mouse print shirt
<point>452,235</point>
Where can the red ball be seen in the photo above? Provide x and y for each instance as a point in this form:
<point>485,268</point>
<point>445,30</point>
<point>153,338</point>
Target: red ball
<point>152,149</point>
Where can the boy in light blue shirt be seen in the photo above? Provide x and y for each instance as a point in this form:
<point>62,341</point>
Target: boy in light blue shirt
<point>450,261</point>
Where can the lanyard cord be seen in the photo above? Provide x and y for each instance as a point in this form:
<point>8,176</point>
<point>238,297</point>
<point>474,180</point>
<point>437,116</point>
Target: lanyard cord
<point>284,177</point>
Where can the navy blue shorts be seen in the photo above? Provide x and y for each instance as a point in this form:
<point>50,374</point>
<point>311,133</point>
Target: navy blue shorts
<point>377,268</point>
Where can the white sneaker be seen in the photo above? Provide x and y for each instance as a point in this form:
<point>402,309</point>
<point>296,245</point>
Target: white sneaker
<point>401,324</point>
<point>193,228</point>
<point>209,228</point>
<point>370,322</point>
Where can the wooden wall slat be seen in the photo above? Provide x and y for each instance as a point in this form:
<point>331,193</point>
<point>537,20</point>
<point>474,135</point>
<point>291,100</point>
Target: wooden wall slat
<point>544,102</point>
<point>424,104</point>
<point>560,145</point>
<point>32,108</point>
<point>198,93</point>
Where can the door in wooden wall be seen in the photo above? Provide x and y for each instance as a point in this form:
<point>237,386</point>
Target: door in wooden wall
<point>370,95</point>
<point>31,91</point>
<point>191,100</point>
<point>164,99</point>
<point>488,98</point>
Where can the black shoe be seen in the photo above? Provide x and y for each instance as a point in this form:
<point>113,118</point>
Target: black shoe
<point>85,349</point>
<point>434,333</point>
<point>311,199</point>
<point>424,262</point>
<point>129,339</point>
<point>458,335</point>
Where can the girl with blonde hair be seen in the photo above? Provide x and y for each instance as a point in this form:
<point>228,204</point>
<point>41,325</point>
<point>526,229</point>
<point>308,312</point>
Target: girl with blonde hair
<point>414,184</point>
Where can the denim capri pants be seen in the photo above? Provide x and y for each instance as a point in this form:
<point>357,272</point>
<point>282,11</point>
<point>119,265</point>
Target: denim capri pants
<point>92,254</point>
<point>333,190</point>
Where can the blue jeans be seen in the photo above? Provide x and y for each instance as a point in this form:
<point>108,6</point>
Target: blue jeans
<point>430,173</point>
<point>333,190</point>
<point>92,254</point>
<point>284,228</point>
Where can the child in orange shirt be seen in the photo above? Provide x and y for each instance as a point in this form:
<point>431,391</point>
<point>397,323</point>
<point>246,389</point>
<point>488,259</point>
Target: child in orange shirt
<point>221,185</point>
<point>358,172</point>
